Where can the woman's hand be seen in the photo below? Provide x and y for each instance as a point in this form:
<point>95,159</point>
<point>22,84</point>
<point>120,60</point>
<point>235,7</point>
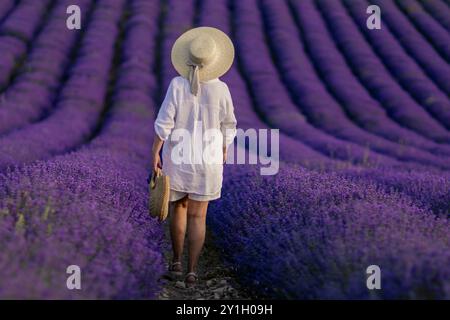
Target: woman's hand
<point>156,162</point>
<point>224,154</point>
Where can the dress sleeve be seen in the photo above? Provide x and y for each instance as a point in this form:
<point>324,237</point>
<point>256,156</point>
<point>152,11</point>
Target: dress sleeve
<point>228,122</point>
<point>165,121</point>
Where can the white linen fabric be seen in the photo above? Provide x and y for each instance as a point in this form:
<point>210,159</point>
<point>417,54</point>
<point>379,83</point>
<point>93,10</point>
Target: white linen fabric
<point>211,108</point>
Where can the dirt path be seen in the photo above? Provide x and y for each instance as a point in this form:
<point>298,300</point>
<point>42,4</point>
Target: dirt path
<point>215,281</point>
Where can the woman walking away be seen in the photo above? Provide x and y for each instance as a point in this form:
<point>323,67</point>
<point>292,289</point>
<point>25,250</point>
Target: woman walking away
<point>195,125</point>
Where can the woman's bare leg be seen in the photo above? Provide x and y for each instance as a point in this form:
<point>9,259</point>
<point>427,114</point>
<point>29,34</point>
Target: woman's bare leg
<point>178,227</point>
<point>196,225</point>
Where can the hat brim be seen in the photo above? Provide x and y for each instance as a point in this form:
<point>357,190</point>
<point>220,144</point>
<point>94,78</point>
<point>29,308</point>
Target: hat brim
<point>218,67</point>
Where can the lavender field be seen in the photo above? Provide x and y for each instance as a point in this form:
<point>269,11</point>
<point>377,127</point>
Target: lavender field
<point>364,120</point>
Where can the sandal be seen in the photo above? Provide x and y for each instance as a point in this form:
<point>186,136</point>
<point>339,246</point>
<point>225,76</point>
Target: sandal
<point>175,269</point>
<point>194,278</point>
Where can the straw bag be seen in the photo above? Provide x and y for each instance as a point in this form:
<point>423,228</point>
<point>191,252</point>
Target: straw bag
<point>159,187</point>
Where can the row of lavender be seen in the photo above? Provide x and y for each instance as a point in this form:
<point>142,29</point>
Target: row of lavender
<point>350,93</point>
<point>5,8</point>
<point>303,234</point>
<point>36,82</point>
<point>416,45</point>
<point>16,31</point>
<point>307,89</point>
<point>280,111</point>
<point>88,207</point>
<point>425,90</point>
<point>439,11</point>
<point>435,33</point>
<point>374,74</point>
<point>315,239</point>
<point>79,103</point>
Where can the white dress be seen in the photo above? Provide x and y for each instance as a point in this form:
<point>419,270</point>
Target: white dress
<point>182,114</point>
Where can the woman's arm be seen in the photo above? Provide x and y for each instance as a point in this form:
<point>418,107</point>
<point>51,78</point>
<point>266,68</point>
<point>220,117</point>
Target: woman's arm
<point>228,123</point>
<point>156,148</point>
<point>164,123</point>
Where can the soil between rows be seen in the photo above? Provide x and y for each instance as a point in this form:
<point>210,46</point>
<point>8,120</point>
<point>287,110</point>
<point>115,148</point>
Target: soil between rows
<point>216,282</point>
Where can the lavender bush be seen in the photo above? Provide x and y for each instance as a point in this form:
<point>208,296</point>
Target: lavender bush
<point>316,239</point>
<point>374,74</point>
<point>83,211</point>
<point>81,101</point>
<point>341,82</point>
<point>405,69</point>
<point>16,31</point>
<point>306,86</point>
<point>89,207</point>
<point>279,109</point>
<point>415,44</point>
<point>430,28</point>
<point>5,8</point>
<point>34,89</point>
<point>439,11</point>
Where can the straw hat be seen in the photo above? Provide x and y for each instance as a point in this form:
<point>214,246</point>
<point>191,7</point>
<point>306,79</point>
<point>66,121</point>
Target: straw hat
<point>202,54</point>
